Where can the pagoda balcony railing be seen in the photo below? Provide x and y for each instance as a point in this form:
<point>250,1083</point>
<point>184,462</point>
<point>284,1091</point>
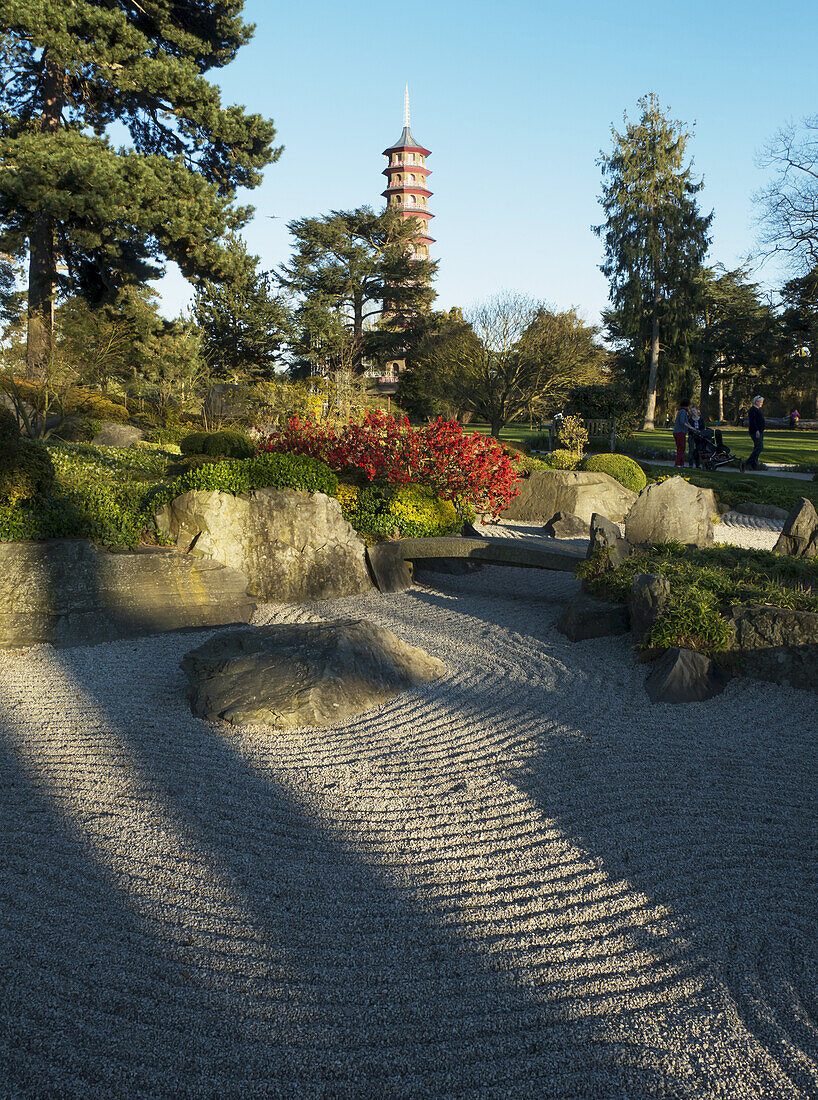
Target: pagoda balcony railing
<point>405,185</point>
<point>413,207</point>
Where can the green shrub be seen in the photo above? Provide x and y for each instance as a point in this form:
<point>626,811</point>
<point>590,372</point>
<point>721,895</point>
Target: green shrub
<point>562,460</point>
<point>218,445</point>
<point>229,445</point>
<point>380,509</point>
<point>527,463</point>
<point>419,513</point>
<point>275,471</point>
<point>9,428</point>
<point>704,584</point>
<point>163,436</point>
<point>620,467</point>
<point>192,444</point>
<point>26,471</point>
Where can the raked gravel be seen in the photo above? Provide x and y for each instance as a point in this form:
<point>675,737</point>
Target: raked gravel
<point>522,881</point>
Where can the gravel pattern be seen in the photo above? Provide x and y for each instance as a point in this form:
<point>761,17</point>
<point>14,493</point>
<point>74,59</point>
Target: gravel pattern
<point>521,881</point>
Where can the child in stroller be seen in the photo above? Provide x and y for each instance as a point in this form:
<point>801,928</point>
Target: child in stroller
<point>713,450</point>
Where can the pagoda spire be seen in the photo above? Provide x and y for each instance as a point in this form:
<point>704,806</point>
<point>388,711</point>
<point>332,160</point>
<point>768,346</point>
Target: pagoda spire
<point>406,107</point>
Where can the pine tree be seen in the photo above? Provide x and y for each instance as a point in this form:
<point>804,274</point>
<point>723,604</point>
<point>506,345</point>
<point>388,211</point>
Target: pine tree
<point>93,216</point>
<point>655,237</point>
<point>352,272</point>
<point>243,321</point>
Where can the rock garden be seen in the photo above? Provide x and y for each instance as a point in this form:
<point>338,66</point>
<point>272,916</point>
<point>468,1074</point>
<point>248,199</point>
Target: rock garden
<point>102,541</point>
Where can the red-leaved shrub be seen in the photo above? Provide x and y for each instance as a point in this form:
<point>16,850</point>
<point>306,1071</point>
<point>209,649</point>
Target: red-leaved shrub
<point>471,470</point>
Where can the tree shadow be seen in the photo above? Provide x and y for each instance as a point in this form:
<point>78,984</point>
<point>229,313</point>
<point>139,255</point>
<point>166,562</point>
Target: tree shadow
<point>181,920</point>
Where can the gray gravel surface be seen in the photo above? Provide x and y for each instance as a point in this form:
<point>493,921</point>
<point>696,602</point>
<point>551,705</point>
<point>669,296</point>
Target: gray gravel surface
<point>522,881</point>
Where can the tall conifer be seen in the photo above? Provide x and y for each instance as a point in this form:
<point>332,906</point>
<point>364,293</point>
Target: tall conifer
<point>654,234</point>
<point>92,215</point>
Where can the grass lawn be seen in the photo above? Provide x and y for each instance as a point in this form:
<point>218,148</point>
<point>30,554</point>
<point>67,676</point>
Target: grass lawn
<point>798,447</point>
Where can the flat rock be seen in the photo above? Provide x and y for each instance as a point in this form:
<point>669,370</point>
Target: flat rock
<point>291,545</point>
<point>578,492</point>
<point>112,434</point>
<point>648,596</point>
<point>586,617</point>
<point>565,525</point>
<point>66,592</point>
<point>684,676</point>
<point>312,674</point>
<point>672,510</point>
<point>799,537</point>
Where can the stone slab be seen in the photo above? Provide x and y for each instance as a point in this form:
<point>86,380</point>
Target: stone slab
<point>68,593</point>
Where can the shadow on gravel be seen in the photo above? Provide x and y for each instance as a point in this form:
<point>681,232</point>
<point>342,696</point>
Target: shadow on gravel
<point>303,972</point>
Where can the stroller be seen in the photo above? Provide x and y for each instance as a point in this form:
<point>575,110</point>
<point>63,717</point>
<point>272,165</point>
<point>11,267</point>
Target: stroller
<point>713,451</point>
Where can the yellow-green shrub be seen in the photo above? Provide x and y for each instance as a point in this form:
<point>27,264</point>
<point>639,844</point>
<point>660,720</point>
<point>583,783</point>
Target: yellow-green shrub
<point>562,460</point>
<point>26,471</point>
<point>619,467</point>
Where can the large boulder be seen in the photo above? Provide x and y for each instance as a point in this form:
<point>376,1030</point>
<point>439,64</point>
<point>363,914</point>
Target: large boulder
<point>684,676</point>
<point>66,592</point>
<point>799,537</point>
<point>647,600</point>
<point>585,617</point>
<point>313,674</point>
<point>292,546</point>
<point>776,644</point>
<point>117,435</point>
<point>579,492</point>
<point>672,510</point>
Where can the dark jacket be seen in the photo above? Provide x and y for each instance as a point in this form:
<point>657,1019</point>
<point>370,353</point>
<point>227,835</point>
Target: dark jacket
<point>755,421</point>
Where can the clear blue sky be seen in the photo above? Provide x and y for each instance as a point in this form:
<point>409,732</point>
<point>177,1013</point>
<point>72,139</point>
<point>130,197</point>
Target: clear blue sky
<point>515,100</point>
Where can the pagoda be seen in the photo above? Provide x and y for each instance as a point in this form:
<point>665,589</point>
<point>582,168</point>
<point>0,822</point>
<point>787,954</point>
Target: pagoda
<point>406,191</point>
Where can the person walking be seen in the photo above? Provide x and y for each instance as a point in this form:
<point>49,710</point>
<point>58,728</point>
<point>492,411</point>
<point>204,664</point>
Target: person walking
<point>696,422</point>
<point>755,426</point>
<point>680,426</point>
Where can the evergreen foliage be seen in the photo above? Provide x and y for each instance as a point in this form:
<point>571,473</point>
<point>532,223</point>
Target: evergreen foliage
<point>655,239</point>
<point>71,69</point>
<point>359,292</point>
<point>243,321</point>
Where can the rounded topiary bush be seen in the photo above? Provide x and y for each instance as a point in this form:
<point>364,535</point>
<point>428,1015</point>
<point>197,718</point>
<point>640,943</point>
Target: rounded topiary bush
<point>562,460</point>
<point>229,445</point>
<point>192,444</point>
<point>218,445</point>
<point>26,471</point>
<point>620,467</point>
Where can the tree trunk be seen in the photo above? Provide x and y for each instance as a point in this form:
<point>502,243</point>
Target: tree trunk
<point>41,275</point>
<point>42,267</point>
<point>650,410</point>
<point>721,400</point>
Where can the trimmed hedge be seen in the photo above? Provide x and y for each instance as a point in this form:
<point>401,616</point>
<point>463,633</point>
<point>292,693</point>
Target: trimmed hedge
<point>273,471</point>
<point>619,467</point>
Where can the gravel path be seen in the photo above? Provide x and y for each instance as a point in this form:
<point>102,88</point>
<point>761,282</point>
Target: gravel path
<point>522,881</point>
